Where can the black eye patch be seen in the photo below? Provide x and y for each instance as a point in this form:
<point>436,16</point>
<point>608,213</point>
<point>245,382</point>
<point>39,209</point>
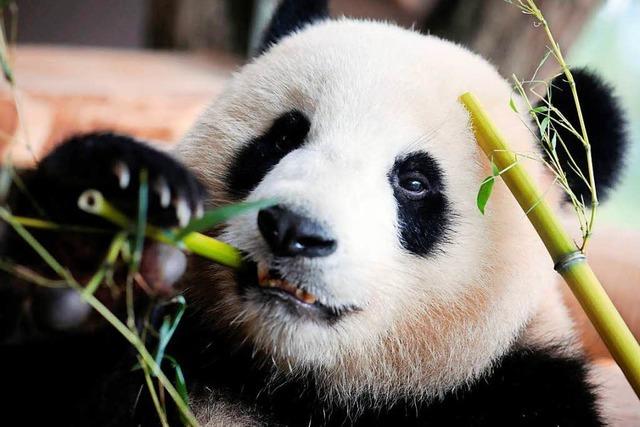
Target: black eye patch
<point>424,220</point>
<point>249,166</point>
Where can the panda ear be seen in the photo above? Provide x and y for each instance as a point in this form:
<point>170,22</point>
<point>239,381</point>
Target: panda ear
<point>292,15</point>
<point>606,128</point>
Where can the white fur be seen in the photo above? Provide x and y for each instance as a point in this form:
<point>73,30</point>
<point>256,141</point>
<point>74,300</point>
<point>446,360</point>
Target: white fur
<point>374,92</point>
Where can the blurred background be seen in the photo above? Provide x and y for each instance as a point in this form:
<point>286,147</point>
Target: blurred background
<point>147,67</point>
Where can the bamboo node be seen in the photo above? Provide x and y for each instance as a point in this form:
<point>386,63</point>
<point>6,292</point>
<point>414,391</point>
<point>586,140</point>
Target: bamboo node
<point>568,260</point>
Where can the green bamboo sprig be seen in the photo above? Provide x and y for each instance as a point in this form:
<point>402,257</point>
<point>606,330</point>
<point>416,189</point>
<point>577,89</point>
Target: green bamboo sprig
<point>550,145</point>
<point>30,276</point>
<point>530,7</point>
<point>93,202</point>
<point>569,260</point>
<point>115,248</point>
<point>4,57</point>
<point>154,395</point>
<point>9,77</point>
<point>111,318</point>
<point>43,224</point>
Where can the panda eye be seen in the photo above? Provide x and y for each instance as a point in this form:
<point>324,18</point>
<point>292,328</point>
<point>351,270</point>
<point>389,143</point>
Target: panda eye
<point>250,165</point>
<point>414,185</point>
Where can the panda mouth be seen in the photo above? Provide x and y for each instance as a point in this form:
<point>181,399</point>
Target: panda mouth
<point>270,279</point>
<point>274,288</point>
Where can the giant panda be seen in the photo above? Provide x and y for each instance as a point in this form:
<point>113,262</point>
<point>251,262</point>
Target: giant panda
<point>373,292</point>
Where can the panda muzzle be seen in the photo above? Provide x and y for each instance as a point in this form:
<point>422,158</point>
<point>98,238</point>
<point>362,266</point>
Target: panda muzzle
<point>271,279</point>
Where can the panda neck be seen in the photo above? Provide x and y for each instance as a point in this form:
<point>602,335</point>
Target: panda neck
<point>534,381</point>
<point>426,364</point>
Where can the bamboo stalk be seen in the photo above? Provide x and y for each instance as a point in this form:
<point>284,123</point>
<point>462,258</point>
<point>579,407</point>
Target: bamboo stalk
<point>93,202</point>
<point>570,262</point>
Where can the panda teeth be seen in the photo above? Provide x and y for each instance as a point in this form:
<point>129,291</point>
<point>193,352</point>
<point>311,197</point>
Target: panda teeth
<point>263,273</point>
<point>305,297</point>
<point>266,281</point>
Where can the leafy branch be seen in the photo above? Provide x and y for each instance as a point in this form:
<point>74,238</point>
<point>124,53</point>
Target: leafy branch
<point>545,119</point>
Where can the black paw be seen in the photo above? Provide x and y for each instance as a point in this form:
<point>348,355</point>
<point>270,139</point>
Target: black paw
<point>112,165</point>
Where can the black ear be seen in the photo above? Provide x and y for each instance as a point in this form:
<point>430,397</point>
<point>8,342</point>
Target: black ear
<point>293,15</point>
<point>606,128</point>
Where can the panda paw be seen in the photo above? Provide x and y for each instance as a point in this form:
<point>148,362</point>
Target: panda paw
<point>112,164</point>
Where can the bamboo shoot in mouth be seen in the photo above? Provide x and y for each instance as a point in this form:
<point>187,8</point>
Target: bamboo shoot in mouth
<point>93,202</point>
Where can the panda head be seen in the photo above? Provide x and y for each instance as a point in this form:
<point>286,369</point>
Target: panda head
<point>375,271</point>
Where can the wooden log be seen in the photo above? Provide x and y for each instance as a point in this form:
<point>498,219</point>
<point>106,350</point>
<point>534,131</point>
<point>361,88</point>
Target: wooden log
<point>64,91</point>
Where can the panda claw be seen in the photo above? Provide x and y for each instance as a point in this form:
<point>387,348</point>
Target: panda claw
<point>199,210</point>
<point>121,170</point>
<point>164,192</point>
<point>183,212</point>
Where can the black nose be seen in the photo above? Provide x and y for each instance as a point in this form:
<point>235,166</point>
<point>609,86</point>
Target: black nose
<point>290,234</point>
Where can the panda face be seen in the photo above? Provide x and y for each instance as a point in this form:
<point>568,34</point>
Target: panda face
<point>375,258</point>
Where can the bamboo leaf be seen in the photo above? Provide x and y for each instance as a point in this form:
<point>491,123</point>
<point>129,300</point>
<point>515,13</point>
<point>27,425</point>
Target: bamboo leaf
<point>220,215</point>
<point>141,223</point>
<point>6,69</point>
<point>168,328</point>
<point>544,124</point>
<point>5,182</point>
<point>486,188</point>
<point>512,105</point>
<point>181,384</point>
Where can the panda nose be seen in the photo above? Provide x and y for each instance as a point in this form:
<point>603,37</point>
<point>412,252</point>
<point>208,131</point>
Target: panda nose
<point>289,234</point>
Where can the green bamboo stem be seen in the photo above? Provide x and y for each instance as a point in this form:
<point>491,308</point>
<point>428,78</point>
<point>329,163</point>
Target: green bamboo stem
<point>577,273</point>
<point>52,226</point>
<point>93,202</point>
<point>30,276</point>
<point>37,223</point>
<point>145,355</point>
<point>112,255</point>
<point>154,395</point>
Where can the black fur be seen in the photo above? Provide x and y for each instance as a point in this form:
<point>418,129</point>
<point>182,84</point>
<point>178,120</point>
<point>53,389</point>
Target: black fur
<point>606,128</point>
<point>87,380</point>
<point>258,157</point>
<point>81,163</point>
<point>423,223</point>
<point>528,387</point>
<point>87,161</point>
<point>293,15</point>
<point>55,381</point>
